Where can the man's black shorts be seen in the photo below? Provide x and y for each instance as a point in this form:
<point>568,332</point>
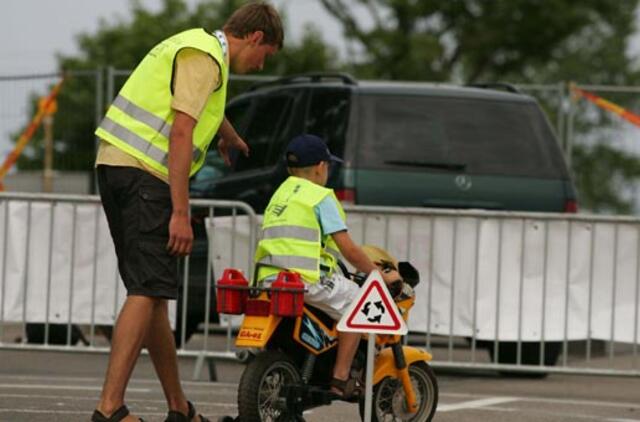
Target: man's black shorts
<point>138,209</point>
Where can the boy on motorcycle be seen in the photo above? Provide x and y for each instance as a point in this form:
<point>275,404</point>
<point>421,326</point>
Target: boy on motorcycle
<point>304,230</point>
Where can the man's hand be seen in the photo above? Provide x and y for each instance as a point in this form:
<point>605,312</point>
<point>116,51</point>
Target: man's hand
<point>226,144</point>
<point>229,139</point>
<point>180,235</point>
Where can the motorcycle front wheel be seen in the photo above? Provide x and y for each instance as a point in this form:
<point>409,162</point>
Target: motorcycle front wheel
<point>389,403</point>
<point>260,385</point>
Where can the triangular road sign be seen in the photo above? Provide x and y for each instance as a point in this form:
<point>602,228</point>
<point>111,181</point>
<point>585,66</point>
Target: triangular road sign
<point>373,310</point>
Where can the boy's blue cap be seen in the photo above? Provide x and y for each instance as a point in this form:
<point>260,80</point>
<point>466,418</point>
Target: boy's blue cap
<point>308,150</point>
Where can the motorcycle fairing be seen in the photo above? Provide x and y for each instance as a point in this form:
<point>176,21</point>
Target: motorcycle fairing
<point>313,334</point>
<point>256,331</point>
<point>385,365</point>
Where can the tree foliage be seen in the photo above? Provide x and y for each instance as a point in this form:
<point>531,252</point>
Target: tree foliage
<point>461,41</point>
<point>121,44</point>
<point>472,40</point>
<point>593,164</point>
<point>520,41</point>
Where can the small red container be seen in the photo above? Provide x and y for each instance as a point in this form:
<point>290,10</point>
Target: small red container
<point>232,291</point>
<point>287,295</point>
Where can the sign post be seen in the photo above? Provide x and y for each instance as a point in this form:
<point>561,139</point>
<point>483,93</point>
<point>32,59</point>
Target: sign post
<point>372,312</point>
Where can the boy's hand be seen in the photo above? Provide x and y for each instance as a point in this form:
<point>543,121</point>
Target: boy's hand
<point>390,277</point>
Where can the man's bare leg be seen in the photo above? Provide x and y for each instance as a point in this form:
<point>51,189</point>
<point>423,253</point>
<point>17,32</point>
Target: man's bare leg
<point>128,335</point>
<point>162,349</point>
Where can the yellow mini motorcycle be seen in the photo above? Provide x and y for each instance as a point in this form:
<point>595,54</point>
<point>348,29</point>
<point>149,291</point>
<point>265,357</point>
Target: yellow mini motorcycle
<point>291,348</point>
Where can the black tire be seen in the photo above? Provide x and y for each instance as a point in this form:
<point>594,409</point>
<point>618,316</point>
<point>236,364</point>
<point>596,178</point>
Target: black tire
<point>530,355</point>
<point>260,383</point>
<point>58,334</point>
<point>508,352</point>
<point>389,399</point>
<point>190,329</point>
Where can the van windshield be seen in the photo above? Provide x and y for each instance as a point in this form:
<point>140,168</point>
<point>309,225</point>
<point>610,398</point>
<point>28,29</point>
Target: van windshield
<point>470,135</point>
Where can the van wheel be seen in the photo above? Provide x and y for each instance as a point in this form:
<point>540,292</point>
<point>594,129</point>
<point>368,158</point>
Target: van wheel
<point>507,353</point>
<point>58,334</point>
<point>190,328</point>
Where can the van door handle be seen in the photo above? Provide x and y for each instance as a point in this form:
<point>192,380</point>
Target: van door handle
<point>440,203</point>
<point>265,188</point>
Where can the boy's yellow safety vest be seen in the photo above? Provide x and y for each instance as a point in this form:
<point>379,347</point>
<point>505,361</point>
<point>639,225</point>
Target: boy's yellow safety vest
<point>139,119</point>
<point>291,232</point>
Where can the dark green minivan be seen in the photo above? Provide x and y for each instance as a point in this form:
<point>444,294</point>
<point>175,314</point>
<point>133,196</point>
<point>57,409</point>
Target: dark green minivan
<point>404,144</point>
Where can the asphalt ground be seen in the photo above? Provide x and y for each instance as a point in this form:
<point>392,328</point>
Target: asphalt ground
<point>55,386</point>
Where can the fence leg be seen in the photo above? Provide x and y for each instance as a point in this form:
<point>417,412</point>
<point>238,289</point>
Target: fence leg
<point>211,365</point>
<point>197,370</point>
<point>213,373</point>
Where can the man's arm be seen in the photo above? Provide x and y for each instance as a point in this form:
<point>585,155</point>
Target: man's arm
<point>180,153</point>
<point>229,138</point>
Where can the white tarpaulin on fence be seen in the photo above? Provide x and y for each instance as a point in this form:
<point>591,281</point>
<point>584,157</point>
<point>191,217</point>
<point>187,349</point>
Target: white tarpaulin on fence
<point>48,261</point>
<point>524,279</point>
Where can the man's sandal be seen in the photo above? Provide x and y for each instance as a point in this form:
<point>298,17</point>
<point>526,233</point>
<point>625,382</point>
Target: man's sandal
<point>116,416</point>
<point>175,416</point>
<point>348,389</point>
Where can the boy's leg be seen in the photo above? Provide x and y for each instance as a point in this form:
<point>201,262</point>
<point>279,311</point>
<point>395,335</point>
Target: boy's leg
<point>347,347</point>
<point>128,335</point>
<point>333,295</point>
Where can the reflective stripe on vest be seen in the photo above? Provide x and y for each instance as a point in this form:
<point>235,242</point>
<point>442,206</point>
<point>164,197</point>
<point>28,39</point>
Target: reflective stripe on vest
<point>295,232</point>
<point>290,261</point>
<point>291,237</point>
<point>143,116</point>
<point>139,121</point>
<point>136,141</point>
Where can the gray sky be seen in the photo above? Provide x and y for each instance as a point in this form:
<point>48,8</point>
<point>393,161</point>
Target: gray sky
<point>52,26</point>
<point>33,31</point>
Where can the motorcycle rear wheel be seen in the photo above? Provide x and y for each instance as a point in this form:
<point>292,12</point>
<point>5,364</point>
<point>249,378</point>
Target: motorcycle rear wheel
<point>260,384</point>
<point>389,403</point>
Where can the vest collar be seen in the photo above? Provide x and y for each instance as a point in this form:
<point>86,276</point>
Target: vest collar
<point>222,39</point>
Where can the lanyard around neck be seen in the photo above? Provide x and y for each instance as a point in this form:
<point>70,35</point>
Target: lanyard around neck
<point>222,38</point>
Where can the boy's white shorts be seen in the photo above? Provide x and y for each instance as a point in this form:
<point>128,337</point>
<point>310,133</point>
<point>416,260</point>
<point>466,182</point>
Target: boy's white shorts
<point>332,294</point>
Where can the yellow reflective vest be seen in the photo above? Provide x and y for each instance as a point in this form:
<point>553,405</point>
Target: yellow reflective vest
<point>291,233</point>
<point>139,119</point>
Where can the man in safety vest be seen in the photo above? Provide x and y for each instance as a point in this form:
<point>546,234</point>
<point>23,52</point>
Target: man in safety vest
<point>304,230</point>
<point>154,136</point>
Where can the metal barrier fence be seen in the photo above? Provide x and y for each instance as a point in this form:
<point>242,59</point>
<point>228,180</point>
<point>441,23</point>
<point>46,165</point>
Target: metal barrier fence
<point>557,100</point>
<point>540,292</point>
<point>59,280</point>
<point>529,287</point>
<point>532,288</point>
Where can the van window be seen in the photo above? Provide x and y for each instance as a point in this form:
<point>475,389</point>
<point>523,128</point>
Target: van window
<point>269,116</point>
<point>214,167</point>
<point>238,114</point>
<point>466,135</point>
<point>327,117</point>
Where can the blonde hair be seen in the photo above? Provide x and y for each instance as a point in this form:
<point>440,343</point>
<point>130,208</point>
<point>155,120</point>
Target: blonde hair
<point>256,16</point>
